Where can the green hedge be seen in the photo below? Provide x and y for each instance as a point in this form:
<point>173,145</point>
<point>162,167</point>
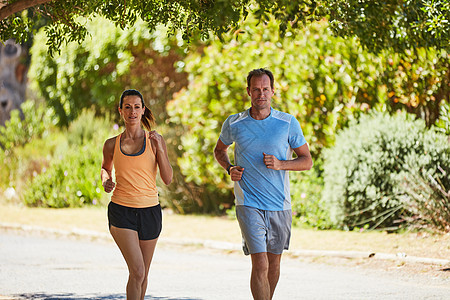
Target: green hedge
<point>72,177</point>
<point>365,170</point>
<point>18,157</point>
<point>34,121</point>
<point>71,180</point>
<point>308,207</point>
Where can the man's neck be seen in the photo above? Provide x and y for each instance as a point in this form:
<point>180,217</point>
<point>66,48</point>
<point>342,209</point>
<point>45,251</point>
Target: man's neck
<point>259,114</point>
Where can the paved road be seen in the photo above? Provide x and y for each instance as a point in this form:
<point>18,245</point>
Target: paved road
<point>38,267</point>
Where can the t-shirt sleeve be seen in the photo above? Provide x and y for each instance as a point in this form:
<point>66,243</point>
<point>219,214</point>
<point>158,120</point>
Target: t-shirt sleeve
<point>296,138</point>
<point>225,134</point>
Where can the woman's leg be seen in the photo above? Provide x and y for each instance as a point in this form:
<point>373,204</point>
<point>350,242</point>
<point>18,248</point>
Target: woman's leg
<point>147,250</point>
<point>129,245</point>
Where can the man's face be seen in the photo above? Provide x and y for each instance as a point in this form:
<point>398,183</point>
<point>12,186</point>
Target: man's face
<point>260,92</point>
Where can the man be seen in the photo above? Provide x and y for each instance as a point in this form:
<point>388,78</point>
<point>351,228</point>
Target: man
<point>265,139</point>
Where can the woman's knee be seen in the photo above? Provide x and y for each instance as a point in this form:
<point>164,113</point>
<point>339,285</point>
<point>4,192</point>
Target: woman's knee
<point>137,272</point>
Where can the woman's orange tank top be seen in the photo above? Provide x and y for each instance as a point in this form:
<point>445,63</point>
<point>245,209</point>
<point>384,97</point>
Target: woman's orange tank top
<point>135,176</point>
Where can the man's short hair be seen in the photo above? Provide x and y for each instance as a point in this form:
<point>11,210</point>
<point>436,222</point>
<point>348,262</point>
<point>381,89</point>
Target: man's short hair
<point>260,72</point>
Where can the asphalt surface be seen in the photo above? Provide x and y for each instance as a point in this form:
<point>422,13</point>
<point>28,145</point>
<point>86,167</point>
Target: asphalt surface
<point>46,267</point>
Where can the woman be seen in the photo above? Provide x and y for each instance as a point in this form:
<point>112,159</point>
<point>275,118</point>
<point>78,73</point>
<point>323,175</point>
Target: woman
<point>134,213</point>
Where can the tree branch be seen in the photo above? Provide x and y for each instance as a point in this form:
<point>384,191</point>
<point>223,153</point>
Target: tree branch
<point>10,9</point>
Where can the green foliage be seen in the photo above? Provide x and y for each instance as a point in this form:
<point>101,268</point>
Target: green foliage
<point>34,122</point>
<point>95,73</point>
<point>399,25</point>
<point>307,203</point>
<point>194,19</point>
<point>443,123</point>
<point>364,170</point>
<point>417,81</point>
<point>52,168</point>
<point>324,81</point>
<point>88,128</point>
<point>83,76</point>
<point>187,197</point>
<point>71,178</point>
<point>151,67</point>
<point>427,199</point>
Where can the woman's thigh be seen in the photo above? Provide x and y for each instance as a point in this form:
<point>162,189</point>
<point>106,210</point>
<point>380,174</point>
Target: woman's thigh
<point>128,242</point>
<point>147,250</point>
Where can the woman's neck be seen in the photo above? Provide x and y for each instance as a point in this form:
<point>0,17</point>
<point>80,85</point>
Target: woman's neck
<point>133,132</point>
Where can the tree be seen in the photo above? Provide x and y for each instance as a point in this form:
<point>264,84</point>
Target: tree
<point>324,81</point>
<point>194,18</point>
<point>93,74</point>
<point>396,24</point>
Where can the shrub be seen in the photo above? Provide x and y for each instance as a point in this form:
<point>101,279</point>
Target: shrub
<point>363,172</point>
<point>36,122</point>
<point>71,180</point>
<point>72,177</point>
<point>29,160</point>
<point>427,198</point>
<point>88,128</point>
<point>306,191</point>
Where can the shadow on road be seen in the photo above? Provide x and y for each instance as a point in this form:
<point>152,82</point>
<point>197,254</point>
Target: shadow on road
<point>69,296</point>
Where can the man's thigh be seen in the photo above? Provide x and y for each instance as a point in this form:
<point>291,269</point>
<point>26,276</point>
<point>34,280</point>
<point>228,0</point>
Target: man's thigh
<point>264,231</point>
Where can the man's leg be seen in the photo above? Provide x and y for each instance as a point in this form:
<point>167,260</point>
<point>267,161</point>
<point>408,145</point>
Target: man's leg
<point>265,275</point>
<point>274,271</point>
<point>259,280</point>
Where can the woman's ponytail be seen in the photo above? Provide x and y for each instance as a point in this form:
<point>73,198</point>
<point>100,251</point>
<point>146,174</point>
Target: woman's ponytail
<point>148,119</point>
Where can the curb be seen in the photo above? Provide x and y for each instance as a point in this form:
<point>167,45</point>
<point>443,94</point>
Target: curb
<point>372,255</point>
<point>218,245</point>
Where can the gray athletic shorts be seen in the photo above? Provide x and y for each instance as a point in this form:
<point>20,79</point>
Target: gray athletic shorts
<point>264,230</point>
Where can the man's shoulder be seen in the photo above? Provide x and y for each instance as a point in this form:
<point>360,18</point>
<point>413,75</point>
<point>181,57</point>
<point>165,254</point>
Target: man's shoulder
<point>280,115</point>
<point>233,119</point>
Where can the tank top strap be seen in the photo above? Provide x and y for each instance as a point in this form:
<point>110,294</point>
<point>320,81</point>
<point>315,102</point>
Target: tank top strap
<point>117,144</point>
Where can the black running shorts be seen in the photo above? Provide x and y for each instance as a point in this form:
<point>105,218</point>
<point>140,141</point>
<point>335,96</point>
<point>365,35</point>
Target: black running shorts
<point>146,221</point>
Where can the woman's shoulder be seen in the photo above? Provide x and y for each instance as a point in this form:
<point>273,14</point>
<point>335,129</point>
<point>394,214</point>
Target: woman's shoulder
<point>111,142</point>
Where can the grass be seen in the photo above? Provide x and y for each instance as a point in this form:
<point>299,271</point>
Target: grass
<point>226,229</point>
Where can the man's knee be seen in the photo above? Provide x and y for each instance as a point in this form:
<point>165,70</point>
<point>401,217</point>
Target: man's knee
<point>274,259</point>
<point>260,263</point>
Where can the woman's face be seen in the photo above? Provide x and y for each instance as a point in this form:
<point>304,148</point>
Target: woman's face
<point>132,110</point>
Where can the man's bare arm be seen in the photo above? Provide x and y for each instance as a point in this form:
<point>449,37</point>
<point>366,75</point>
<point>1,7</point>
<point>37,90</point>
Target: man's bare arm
<point>221,155</point>
<point>302,162</point>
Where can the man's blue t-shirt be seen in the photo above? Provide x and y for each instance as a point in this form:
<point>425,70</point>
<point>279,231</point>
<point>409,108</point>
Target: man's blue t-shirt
<point>277,135</point>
